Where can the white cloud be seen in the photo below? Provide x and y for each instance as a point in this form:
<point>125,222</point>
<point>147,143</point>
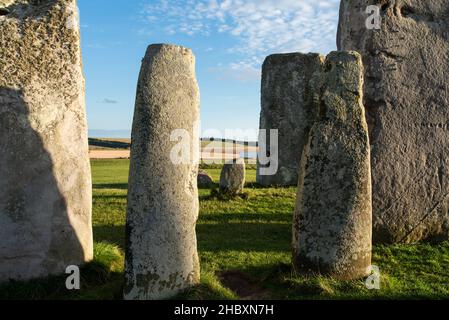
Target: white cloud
<point>241,71</point>
<point>261,27</point>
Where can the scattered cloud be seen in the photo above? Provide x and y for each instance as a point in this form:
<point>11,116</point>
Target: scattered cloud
<point>109,101</point>
<point>260,27</point>
<point>241,71</point>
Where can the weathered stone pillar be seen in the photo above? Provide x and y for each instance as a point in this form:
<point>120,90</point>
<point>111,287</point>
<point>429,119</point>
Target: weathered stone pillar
<point>407,106</point>
<point>286,106</point>
<point>45,179</point>
<point>332,222</point>
<point>161,248</point>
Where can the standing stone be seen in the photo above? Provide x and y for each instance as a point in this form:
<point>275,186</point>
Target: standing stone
<point>332,223</point>
<point>407,106</point>
<point>286,106</point>
<point>161,248</point>
<point>232,178</point>
<point>204,180</point>
<point>45,180</point>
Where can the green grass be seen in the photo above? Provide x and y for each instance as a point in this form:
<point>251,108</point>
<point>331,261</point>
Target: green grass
<point>100,279</point>
<point>249,238</point>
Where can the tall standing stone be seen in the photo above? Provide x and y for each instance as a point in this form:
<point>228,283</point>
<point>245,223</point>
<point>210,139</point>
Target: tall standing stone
<point>407,105</point>
<point>332,222</point>
<point>161,248</point>
<point>45,182</point>
<point>286,106</point>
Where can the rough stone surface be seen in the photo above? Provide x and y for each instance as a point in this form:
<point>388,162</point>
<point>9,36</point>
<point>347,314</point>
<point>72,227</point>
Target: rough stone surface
<point>333,221</point>
<point>407,105</point>
<point>161,248</point>
<point>232,178</point>
<point>45,182</point>
<point>286,106</point>
<point>204,180</point>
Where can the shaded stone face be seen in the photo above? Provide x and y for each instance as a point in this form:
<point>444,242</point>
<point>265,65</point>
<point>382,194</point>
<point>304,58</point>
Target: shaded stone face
<point>232,178</point>
<point>45,180</point>
<point>286,106</point>
<point>332,221</point>
<point>161,247</point>
<point>407,105</point>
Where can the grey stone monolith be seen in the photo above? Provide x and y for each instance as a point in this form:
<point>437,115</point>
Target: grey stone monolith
<point>161,246</point>
<point>45,179</point>
<point>407,106</point>
<point>286,107</point>
<point>333,216</point>
<point>232,178</point>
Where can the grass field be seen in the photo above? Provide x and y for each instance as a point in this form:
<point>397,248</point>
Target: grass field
<point>244,248</point>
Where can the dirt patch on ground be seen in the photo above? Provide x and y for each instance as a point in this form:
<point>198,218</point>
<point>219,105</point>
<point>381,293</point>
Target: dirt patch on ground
<point>242,285</point>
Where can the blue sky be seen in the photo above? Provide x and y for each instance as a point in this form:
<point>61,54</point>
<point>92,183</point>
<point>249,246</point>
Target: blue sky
<point>230,39</point>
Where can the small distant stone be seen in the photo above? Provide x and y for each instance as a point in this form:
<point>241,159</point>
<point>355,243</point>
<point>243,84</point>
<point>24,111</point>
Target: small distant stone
<point>204,180</point>
<point>232,179</point>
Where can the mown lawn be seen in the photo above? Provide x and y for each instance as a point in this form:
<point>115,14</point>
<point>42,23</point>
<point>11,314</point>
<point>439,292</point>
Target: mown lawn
<point>244,248</point>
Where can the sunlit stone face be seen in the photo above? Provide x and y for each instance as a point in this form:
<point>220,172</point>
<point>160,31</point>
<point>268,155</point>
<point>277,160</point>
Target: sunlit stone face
<point>45,181</point>
<point>406,102</point>
<point>5,3</point>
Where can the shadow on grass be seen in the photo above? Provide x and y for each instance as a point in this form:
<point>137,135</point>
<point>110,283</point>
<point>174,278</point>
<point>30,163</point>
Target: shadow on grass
<point>210,288</point>
<point>249,185</point>
<point>110,197</point>
<point>102,186</point>
<point>210,186</point>
<point>255,237</point>
<point>241,236</point>
<point>111,234</point>
<point>124,186</point>
<point>255,185</point>
<point>279,281</point>
<point>100,279</point>
<point>263,218</point>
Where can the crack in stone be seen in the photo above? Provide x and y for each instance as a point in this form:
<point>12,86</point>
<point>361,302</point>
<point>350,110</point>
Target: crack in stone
<point>437,205</point>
